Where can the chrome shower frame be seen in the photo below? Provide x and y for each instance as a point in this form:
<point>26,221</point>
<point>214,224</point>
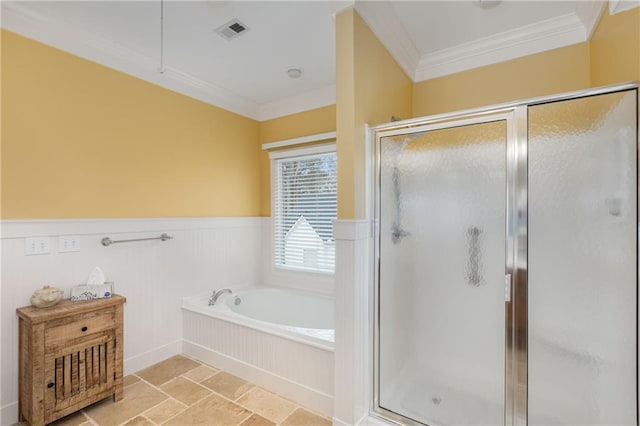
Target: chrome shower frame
<point>516,231</point>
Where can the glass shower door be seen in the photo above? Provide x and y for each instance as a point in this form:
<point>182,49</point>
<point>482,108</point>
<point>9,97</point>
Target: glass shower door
<point>583,221</point>
<point>441,334</point>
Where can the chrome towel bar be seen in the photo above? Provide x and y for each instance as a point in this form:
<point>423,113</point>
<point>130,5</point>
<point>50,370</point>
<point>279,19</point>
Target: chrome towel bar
<point>106,241</point>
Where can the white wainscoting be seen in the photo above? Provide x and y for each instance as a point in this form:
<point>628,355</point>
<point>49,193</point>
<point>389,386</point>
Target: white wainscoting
<point>295,370</point>
<point>205,254</point>
<point>352,312</point>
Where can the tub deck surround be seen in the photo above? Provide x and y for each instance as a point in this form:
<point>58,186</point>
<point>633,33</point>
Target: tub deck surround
<point>300,316</point>
<point>182,391</point>
<point>295,361</point>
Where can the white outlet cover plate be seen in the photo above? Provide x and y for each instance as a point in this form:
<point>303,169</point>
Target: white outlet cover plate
<point>68,243</point>
<point>36,245</point>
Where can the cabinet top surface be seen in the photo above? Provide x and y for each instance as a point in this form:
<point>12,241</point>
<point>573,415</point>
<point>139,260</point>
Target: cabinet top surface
<point>67,307</point>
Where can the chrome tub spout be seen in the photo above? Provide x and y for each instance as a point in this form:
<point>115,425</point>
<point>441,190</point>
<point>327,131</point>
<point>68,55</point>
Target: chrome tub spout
<point>216,294</point>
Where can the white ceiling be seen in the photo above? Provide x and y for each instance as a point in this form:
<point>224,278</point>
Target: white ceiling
<point>465,22</point>
<point>248,74</point>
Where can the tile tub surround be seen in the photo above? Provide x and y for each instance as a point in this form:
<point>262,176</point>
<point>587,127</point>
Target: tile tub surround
<point>182,391</point>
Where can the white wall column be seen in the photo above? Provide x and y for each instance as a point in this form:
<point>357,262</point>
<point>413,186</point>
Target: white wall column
<point>352,363</point>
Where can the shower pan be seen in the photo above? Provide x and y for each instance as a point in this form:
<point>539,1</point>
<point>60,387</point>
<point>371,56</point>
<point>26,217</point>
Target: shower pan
<point>506,264</point>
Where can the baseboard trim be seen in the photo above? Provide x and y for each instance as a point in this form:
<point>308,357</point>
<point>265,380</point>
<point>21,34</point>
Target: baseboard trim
<point>154,356</point>
<point>303,395</point>
<point>364,421</point>
<point>9,414</point>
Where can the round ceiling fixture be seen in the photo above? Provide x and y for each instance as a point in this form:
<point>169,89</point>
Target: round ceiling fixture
<point>487,4</point>
<point>294,72</point>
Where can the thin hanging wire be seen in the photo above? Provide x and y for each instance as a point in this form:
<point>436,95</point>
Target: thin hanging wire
<point>161,69</point>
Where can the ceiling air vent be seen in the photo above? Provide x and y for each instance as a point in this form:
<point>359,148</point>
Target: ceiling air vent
<point>232,29</point>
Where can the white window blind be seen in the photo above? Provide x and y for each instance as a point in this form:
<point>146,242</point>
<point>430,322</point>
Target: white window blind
<point>304,207</point>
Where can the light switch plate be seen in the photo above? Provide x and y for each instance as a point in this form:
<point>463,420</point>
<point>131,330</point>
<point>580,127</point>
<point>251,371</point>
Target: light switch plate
<point>68,243</point>
<point>36,245</point>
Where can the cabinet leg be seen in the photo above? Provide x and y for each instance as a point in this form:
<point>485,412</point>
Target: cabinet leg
<point>117,394</point>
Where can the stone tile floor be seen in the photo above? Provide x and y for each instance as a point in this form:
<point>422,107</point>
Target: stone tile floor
<point>181,391</point>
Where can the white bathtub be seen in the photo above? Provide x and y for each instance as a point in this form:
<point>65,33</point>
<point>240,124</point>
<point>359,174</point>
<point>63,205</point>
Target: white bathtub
<point>279,339</point>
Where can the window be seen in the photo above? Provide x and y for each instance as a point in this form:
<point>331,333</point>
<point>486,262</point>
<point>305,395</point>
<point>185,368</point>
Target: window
<point>304,207</point>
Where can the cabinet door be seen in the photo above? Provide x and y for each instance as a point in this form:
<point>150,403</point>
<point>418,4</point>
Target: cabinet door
<point>79,374</point>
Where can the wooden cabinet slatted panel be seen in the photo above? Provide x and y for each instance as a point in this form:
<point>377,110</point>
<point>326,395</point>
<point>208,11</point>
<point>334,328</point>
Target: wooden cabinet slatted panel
<point>70,357</point>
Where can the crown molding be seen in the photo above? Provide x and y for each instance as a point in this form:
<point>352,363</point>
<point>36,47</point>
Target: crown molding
<point>20,20</point>
<point>617,6</point>
<point>313,99</point>
<point>383,21</point>
<point>589,13</point>
<point>23,21</point>
<point>541,36</point>
<point>339,6</point>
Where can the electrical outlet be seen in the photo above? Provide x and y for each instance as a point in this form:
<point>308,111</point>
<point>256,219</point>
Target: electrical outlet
<point>36,245</point>
<point>68,243</point>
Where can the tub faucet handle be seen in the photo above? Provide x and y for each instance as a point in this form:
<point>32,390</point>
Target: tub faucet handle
<point>216,294</point>
<point>212,298</point>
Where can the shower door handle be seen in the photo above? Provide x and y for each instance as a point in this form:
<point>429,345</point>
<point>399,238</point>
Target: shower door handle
<point>507,288</point>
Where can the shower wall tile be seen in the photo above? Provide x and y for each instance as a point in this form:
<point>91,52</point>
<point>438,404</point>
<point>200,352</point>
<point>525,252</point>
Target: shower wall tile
<point>154,276</point>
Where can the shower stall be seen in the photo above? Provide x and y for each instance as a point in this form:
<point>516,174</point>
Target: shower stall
<point>506,264</point>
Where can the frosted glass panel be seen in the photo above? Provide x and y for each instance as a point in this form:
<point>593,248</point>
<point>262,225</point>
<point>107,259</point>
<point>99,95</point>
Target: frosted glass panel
<point>442,259</point>
<point>582,261</point>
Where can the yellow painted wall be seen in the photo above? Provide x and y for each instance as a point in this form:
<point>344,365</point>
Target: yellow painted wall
<point>80,140</point>
<point>615,48</point>
<point>313,122</point>
<point>371,87</point>
<point>611,56</point>
<point>546,73</point>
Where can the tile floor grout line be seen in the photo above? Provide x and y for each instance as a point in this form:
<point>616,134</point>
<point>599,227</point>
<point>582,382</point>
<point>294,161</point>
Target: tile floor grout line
<point>89,419</point>
<point>189,406</point>
<point>247,391</point>
<point>211,393</point>
<point>206,378</point>
<point>300,406</point>
<point>172,416</point>
<point>162,402</point>
<point>251,413</point>
<point>93,422</point>
<point>199,400</point>
<point>228,399</point>
<point>296,406</point>
<point>171,396</point>
<point>197,383</point>
<point>148,419</point>
<point>289,415</point>
<point>158,387</point>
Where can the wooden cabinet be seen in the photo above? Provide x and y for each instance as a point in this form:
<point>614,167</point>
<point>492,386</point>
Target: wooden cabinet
<point>70,357</point>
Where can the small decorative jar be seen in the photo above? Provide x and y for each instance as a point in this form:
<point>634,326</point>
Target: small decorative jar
<point>46,296</point>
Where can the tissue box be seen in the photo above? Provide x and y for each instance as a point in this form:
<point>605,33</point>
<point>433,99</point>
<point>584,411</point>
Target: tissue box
<point>88,292</point>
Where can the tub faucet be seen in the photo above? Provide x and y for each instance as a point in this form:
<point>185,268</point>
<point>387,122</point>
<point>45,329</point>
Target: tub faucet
<point>216,294</point>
